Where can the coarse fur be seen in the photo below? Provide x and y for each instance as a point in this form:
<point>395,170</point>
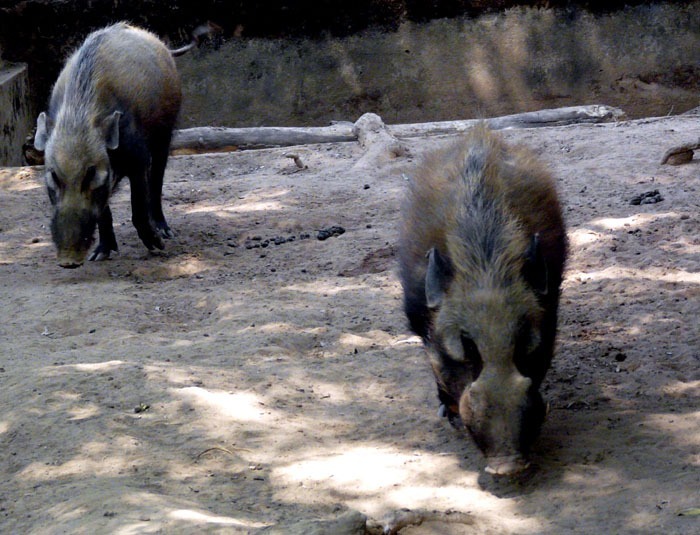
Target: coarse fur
<point>111,114</point>
<point>482,252</point>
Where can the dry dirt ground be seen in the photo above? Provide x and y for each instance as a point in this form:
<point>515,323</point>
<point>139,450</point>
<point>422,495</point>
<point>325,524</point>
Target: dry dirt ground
<point>223,386</point>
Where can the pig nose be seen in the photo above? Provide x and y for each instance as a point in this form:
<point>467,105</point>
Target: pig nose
<point>508,465</point>
<point>69,263</point>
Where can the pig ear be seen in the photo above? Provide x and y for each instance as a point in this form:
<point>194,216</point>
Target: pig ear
<point>437,278</point>
<point>112,130</point>
<point>535,267</point>
<point>43,124</point>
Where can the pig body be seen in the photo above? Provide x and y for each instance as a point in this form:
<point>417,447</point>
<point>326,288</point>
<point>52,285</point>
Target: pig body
<point>482,253</point>
<point>111,115</point>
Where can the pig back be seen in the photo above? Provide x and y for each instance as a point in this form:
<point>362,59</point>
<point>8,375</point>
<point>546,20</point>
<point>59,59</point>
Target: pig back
<point>121,68</point>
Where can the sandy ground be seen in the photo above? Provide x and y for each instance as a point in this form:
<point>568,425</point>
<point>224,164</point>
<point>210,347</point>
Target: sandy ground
<point>223,386</point>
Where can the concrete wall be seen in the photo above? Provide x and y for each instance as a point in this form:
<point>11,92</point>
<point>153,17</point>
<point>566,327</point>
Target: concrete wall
<point>645,60</point>
<point>15,121</point>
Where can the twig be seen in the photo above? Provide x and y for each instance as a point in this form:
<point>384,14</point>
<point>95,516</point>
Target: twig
<point>397,520</point>
<point>297,160</point>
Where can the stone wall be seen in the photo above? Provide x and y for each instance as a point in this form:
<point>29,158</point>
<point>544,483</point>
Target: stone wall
<point>645,60</point>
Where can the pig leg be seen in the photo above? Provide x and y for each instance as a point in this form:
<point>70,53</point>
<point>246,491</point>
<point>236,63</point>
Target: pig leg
<point>159,160</point>
<point>141,214</point>
<point>108,241</point>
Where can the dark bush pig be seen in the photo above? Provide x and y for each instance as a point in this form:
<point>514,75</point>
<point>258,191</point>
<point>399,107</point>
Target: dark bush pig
<point>111,115</point>
<point>482,252</point>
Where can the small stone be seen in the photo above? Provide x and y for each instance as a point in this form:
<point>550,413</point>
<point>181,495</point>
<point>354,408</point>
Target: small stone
<point>620,357</point>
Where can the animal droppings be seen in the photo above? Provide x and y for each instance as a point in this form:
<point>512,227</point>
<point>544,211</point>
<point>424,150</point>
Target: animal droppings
<point>326,233</point>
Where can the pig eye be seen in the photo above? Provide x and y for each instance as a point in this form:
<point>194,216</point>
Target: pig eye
<point>472,357</point>
<point>526,341</point>
<point>88,178</point>
<point>52,180</point>
<point>53,187</point>
<point>469,347</point>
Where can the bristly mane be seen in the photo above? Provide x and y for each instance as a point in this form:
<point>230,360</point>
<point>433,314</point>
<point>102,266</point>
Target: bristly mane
<point>77,107</point>
<point>487,240</point>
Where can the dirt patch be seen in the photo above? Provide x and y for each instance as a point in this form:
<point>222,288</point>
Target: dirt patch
<point>216,388</point>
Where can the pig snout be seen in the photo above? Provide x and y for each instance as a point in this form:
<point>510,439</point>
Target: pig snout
<point>499,413</point>
<point>72,232</point>
<point>69,263</point>
<point>506,466</point>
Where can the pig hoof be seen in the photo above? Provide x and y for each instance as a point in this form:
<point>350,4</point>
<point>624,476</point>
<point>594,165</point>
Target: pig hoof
<point>153,242</point>
<point>100,253</point>
<point>98,257</point>
<point>164,230</point>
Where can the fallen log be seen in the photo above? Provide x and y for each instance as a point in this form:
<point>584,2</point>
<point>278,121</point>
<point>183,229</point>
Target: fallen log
<point>207,139</point>
<point>214,139</point>
<point>380,145</point>
<point>596,113</point>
